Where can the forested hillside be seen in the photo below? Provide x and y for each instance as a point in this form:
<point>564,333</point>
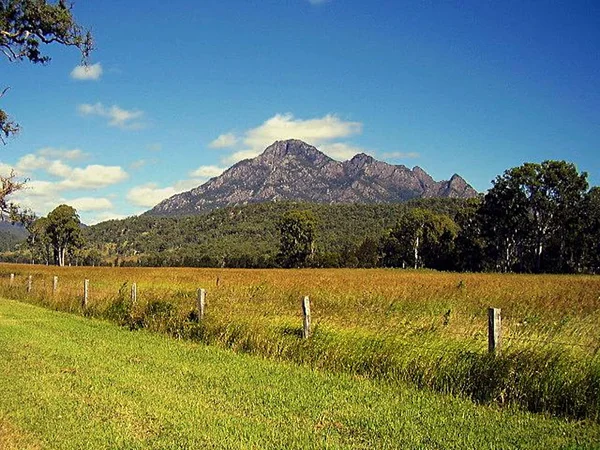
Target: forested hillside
<point>248,235</point>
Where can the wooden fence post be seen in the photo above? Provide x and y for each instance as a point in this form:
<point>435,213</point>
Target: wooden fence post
<point>306,320</point>
<point>54,285</point>
<point>84,300</point>
<point>201,303</point>
<point>29,283</point>
<point>494,330</point>
<point>133,293</point>
<point>12,279</point>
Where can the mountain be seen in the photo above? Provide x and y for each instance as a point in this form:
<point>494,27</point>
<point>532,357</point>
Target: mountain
<point>295,170</point>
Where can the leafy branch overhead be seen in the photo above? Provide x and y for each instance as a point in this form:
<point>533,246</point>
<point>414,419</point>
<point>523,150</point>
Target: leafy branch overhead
<point>26,26</point>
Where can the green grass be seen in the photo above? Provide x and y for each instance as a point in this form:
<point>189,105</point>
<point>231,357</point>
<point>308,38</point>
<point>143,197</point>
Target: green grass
<point>71,382</point>
<point>423,327</point>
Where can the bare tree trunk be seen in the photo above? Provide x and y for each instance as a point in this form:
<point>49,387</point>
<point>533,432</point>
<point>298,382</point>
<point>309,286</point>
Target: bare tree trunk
<point>416,252</point>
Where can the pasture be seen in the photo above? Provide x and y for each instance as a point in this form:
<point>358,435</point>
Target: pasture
<point>70,382</point>
<point>422,327</point>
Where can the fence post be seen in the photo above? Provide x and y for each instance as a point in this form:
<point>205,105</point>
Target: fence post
<point>494,330</point>
<point>306,320</point>
<point>12,279</point>
<point>133,293</point>
<point>84,301</point>
<point>29,283</point>
<point>201,303</point>
<point>54,285</point>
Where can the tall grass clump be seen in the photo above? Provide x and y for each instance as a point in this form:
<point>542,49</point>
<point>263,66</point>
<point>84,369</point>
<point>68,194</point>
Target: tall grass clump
<point>421,327</point>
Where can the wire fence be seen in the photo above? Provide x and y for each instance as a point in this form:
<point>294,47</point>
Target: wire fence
<point>495,336</point>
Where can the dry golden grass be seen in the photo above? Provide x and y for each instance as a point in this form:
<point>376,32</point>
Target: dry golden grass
<point>549,308</point>
<point>425,327</point>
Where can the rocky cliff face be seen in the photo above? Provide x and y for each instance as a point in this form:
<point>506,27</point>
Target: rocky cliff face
<point>294,170</point>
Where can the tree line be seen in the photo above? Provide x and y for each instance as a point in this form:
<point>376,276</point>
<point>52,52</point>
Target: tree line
<point>536,218</point>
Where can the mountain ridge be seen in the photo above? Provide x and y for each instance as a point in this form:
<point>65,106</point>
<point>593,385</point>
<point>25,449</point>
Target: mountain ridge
<point>294,170</point>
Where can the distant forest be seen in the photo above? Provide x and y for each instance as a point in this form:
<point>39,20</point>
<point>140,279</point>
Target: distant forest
<point>536,218</point>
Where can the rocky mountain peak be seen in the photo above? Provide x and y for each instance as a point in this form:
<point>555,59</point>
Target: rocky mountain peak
<point>294,170</point>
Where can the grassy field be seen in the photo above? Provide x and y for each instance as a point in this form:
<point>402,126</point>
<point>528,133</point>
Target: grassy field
<point>68,382</point>
<point>423,327</point>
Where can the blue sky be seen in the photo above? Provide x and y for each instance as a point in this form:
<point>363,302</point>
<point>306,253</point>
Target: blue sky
<point>179,90</point>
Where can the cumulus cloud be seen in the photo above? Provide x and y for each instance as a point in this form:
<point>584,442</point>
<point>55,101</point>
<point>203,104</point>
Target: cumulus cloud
<point>91,204</point>
<point>51,152</point>
<point>117,116</point>
<point>148,195</point>
<point>314,131</point>
<point>93,176</point>
<point>89,72</point>
<point>207,172</point>
<point>323,132</point>
<point>224,141</point>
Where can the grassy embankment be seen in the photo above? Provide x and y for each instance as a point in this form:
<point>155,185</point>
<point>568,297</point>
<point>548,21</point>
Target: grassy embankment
<point>426,328</point>
<point>69,382</point>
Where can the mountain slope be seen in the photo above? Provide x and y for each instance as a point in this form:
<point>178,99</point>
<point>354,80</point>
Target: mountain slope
<point>294,170</point>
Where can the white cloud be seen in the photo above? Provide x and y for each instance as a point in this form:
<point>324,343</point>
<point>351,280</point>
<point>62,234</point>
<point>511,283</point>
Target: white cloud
<point>149,194</point>
<point>59,169</point>
<point>207,172</point>
<point>51,152</point>
<point>400,155</point>
<point>29,163</point>
<point>322,132</point>
<point>117,116</point>
<point>224,141</point>
<point>239,155</point>
<point>93,176</point>
<point>313,131</point>
<point>89,72</point>
<point>90,204</point>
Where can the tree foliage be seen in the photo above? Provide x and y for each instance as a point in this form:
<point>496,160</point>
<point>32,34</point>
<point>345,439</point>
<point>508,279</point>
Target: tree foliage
<point>297,238</point>
<point>62,229</point>
<point>418,238</point>
<point>532,217</point>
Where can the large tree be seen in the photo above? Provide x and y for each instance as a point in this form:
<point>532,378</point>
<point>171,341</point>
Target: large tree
<point>532,216</point>
<point>63,229</point>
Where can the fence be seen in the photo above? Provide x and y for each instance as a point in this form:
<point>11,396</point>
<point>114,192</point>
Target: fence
<point>494,314</point>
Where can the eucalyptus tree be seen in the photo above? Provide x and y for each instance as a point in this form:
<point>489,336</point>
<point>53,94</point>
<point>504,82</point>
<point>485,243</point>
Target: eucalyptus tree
<point>63,229</point>
<point>531,217</point>
<point>419,239</point>
<point>297,231</point>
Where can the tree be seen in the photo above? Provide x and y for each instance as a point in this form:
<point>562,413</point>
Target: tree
<point>591,231</point>
<point>297,238</point>
<point>421,238</point>
<point>25,26</point>
<point>531,216</point>
<point>8,185</point>
<point>64,231</point>
<point>39,241</point>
